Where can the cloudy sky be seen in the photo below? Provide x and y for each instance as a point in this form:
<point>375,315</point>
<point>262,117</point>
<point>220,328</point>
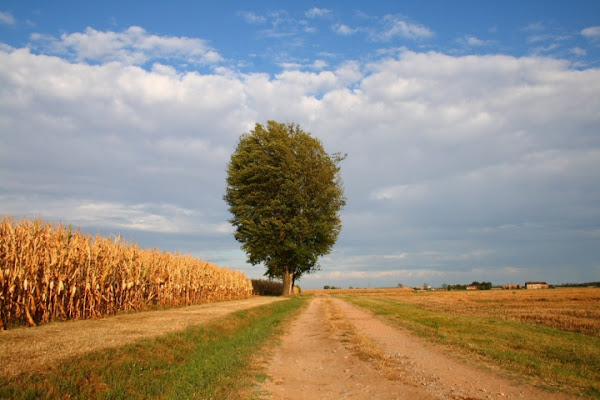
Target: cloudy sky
<point>472,128</point>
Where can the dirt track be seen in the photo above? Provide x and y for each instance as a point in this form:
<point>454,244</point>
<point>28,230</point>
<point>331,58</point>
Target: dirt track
<point>27,349</point>
<point>318,362</point>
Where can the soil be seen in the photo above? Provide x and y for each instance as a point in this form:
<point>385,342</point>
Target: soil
<point>315,361</point>
<point>30,349</point>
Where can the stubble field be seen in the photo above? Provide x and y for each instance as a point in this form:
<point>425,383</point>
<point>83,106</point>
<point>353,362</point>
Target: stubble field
<point>569,309</point>
<point>548,337</point>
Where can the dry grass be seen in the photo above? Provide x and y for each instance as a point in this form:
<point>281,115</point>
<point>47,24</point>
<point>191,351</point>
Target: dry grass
<point>34,350</point>
<point>49,272</point>
<point>568,309</point>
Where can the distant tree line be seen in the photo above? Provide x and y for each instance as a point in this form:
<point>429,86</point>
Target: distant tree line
<point>327,287</point>
<point>585,284</point>
<point>478,285</point>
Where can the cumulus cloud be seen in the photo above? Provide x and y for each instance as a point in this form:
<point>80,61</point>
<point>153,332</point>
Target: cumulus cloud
<point>320,64</point>
<point>454,163</point>
<point>133,46</point>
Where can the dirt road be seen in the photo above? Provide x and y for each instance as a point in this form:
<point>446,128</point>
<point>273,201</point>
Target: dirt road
<point>26,350</point>
<point>334,350</point>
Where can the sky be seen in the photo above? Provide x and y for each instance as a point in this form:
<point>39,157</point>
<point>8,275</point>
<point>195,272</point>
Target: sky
<point>472,129</point>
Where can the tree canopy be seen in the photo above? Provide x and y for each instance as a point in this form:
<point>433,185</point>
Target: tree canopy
<point>285,194</point>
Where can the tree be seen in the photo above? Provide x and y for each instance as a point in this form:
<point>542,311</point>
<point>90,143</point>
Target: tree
<point>285,194</point>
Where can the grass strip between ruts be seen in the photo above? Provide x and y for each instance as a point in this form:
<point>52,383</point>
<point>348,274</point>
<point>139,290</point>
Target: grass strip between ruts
<point>209,361</point>
<point>551,358</point>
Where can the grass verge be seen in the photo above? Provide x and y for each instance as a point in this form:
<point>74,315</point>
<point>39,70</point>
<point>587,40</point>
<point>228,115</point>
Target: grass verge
<point>210,361</point>
<point>551,358</point>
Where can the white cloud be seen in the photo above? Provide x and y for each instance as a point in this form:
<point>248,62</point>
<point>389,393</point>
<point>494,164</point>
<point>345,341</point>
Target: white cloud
<point>320,64</point>
<point>252,18</point>
<point>134,46</point>
<point>349,72</point>
<point>578,51</point>
<point>6,48</point>
<point>290,65</point>
<point>343,29</point>
<point>593,32</point>
<point>318,12</point>
<point>144,217</point>
<point>473,41</point>
<point>7,18</point>
<point>470,162</point>
<point>387,28</point>
<point>397,26</point>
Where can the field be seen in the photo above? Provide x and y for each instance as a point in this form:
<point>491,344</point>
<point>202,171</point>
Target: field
<point>550,337</point>
<point>422,345</point>
<point>569,309</point>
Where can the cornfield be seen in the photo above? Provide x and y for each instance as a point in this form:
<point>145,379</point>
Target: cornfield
<point>48,272</point>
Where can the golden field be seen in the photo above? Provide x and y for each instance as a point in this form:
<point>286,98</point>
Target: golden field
<point>49,272</point>
<point>548,337</point>
<point>569,309</point>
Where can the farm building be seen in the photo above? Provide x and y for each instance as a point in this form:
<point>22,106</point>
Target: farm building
<point>472,287</point>
<point>511,286</point>
<point>536,285</point>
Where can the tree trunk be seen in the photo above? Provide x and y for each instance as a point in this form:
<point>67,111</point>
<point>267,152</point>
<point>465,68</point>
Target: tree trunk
<point>288,276</point>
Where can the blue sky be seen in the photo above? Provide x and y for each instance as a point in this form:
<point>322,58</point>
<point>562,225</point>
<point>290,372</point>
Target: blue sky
<point>472,128</point>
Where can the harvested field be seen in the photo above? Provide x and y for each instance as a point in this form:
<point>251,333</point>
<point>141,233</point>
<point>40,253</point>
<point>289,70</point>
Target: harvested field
<point>568,309</point>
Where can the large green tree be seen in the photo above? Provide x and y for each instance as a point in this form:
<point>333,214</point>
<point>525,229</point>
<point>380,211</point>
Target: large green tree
<point>285,194</point>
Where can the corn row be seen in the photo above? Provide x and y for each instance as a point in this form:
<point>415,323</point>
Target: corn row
<point>48,272</point>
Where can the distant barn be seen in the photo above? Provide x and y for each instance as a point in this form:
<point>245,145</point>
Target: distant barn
<point>511,286</point>
<point>536,285</point>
